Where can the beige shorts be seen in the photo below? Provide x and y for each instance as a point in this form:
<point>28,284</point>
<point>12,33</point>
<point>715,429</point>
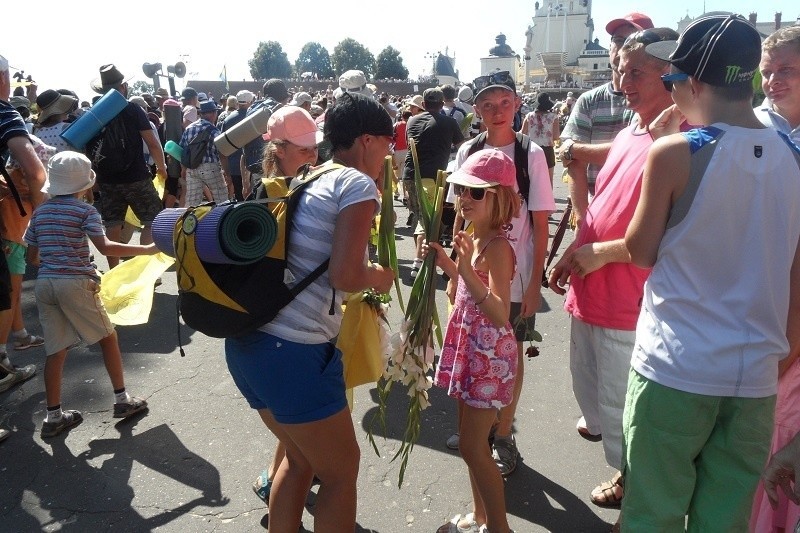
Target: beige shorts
<point>70,310</point>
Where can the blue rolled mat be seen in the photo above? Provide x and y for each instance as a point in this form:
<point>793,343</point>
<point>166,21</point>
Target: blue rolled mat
<point>235,233</point>
<point>246,232</point>
<point>164,228</point>
<point>92,121</point>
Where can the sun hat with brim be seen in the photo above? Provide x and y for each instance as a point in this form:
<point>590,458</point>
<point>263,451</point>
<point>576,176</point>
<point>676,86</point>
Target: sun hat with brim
<point>19,101</point>
<point>52,103</point>
<point>295,125</point>
<point>67,173</point>
<point>417,101</point>
<point>485,168</point>
<point>720,49</point>
<point>109,78</point>
<point>544,103</point>
<point>300,98</point>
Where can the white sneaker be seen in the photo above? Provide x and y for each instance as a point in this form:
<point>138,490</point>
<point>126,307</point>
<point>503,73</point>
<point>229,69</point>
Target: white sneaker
<point>18,375</point>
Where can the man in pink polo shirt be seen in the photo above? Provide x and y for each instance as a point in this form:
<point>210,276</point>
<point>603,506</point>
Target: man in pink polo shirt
<point>605,289</point>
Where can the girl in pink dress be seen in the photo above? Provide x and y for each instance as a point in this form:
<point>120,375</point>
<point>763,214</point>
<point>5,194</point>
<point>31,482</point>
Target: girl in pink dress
<point>478,363</point>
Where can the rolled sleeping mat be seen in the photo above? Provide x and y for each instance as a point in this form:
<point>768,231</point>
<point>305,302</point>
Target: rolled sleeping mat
<point>242,133</point>
<point>174,149</point>
<point>164,228</point>
<point>92,121</point>
<point>236,233</point>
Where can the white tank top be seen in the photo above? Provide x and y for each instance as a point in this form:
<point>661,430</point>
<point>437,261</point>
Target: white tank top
<point>713,319</point>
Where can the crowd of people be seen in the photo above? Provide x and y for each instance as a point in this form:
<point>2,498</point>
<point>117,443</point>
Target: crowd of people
<point>683,194</point>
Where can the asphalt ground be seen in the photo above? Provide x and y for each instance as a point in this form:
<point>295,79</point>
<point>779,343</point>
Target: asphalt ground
<point>189,462</point>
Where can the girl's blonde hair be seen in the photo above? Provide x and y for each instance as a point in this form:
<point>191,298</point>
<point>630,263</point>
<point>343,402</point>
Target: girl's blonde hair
<point>270,164</point>
<point>504,207</point>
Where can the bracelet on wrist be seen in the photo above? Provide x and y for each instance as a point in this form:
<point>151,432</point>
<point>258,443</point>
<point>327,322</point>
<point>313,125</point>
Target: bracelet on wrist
<point>488,292</point>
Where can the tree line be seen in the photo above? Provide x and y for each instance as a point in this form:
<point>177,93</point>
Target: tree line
<point>270,61</point>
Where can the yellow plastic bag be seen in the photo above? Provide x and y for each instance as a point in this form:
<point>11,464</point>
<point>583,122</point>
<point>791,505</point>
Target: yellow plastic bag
<point>133,220</point>
<point>360,343</point>
<point>127,289</point>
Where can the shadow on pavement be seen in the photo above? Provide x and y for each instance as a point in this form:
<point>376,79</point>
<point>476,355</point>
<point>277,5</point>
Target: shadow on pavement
<point>47,484</point>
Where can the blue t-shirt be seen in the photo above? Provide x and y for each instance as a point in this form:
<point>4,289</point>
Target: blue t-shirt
<point>59,227</point>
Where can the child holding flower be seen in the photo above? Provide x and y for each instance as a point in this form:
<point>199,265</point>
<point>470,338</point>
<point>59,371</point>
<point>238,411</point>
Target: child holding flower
<point>478,363</point>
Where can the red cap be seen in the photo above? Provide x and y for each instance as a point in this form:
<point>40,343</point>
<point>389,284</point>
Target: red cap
<point>639,21</point>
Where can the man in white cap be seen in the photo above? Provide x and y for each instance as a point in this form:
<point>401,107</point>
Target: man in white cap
<point>302,99</point>
<point>14,136</point>
<point>243,98</point>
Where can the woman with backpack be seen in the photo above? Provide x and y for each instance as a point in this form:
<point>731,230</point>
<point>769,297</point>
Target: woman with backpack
<point>289,369</point>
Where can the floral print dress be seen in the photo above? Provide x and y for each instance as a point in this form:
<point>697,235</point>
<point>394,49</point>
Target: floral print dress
<point>478,363</point>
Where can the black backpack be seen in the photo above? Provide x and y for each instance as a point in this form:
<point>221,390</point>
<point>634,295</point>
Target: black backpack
<point>195,151</point>
<point>229,300</point>
<point>113,150</point>
<point>522,144</point>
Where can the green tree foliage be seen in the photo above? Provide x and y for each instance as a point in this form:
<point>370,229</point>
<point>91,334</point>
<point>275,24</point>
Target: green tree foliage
<point>140,87</point>
<point>349,54</point>
<point>269,61</point>
<point>314,58</point>
<point>389,64</point>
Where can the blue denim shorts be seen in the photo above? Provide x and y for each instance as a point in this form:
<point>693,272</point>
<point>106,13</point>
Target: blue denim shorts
<point>298,383</point>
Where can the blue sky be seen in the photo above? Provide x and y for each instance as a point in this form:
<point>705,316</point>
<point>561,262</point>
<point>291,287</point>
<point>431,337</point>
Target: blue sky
<point>67,52</point>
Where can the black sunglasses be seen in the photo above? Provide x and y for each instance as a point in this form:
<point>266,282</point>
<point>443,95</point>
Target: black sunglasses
<point>475,193</point>
<point>668,79</point>
<point>644,37</point>
<point>498,78</point>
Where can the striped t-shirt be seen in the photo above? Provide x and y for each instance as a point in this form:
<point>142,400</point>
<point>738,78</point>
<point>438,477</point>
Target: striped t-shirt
<point>59,227</point>
<point>307,319</point>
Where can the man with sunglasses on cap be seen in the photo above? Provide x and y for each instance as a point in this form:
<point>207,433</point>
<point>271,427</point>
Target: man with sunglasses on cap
<point>605,289</point>
<point>719,223</point>
<point>596,118</point>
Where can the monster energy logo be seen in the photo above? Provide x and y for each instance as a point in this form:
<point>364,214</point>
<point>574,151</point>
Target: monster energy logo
<point>731,73</point>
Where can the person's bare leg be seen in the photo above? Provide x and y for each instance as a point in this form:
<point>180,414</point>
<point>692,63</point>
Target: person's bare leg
<point>487,483</point>
<point>146,236</point>
<point>114,233</point>
<point>506,422</point>
<point>53,373</point>
<point>112,357</point>
<point>308,452</point>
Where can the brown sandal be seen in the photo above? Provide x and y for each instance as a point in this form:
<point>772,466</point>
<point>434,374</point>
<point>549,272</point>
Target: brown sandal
<point>609,493</point>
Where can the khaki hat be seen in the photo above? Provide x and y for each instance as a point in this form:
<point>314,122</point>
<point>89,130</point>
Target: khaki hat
<point>67,173</point>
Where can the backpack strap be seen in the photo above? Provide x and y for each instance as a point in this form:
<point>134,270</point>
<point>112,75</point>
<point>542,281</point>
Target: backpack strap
<point>522,144</point>
<point>13,189</point>
<point>296,187</point>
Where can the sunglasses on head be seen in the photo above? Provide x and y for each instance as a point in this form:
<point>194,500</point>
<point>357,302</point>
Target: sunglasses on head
<point>644,37</point>
<point>475,193</point>
<point>498,78</point>
<point>668,79</point>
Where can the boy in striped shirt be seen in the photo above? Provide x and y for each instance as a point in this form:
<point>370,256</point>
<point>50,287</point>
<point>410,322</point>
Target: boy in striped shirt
<point>67,285</point>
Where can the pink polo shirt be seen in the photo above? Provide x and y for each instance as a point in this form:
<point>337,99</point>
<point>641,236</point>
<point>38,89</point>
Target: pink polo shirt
<point>611,297</point>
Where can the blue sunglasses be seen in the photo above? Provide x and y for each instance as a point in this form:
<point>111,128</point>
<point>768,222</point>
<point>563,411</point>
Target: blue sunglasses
<point>668,79</point>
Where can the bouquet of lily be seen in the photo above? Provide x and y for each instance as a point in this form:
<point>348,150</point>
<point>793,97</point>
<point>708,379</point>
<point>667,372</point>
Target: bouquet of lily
<point>411,352</point>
